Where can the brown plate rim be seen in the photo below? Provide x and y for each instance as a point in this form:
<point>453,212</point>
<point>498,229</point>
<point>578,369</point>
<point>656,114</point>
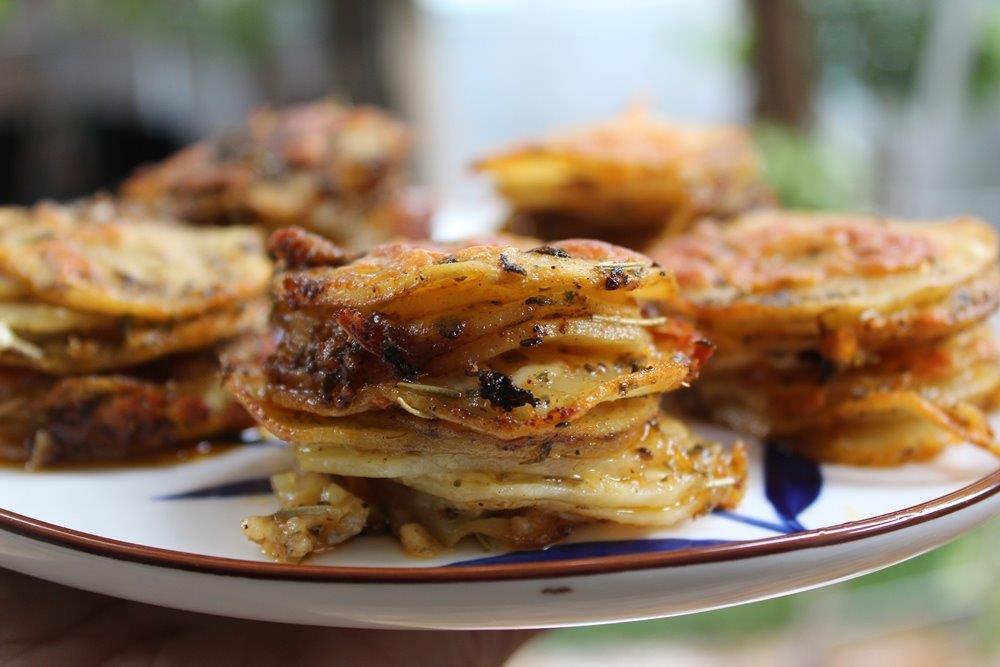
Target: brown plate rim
<point>950,503</point>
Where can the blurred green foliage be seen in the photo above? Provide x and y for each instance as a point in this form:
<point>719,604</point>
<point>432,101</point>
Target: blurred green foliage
<point>876,42</point>
<point>985,80</point>
<point>803,172</point>
<point>243,25</point>
<point>879,44</point>
<point>939,575</point>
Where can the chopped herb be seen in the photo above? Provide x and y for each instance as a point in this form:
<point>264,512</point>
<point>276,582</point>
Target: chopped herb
<point>500,391</point>
<point>543,453</point>
<point>615,279</point>
<point>394,355</point>
<point>450,327</point>
<point>508,265</point>
<point>303,510</point>
<point>825,368</point>
<point>552,252</point>
<point>620,265</point>
<point>617,276</point>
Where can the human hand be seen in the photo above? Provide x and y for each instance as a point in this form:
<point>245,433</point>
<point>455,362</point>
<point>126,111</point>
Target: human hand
<point>42,623</point>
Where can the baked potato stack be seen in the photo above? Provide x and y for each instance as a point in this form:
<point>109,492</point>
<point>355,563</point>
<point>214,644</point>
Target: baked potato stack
<point>335,169</point>
<point>851,339</point>
<point>627,180</point>
<point>108,327</point>
<point>497,390</point>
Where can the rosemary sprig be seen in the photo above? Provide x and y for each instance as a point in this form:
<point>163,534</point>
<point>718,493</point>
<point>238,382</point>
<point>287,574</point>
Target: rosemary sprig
<point>11,341</point>
<point>484,541</point>
<point>430,389</point>
<point>621,265</point>
<point>302,510</point>
<point>412,410</point>
<point>639,321</point>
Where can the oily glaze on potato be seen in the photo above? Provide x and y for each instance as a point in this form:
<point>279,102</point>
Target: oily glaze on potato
<point>117,343</point>
<point>557,329</point>
<point>633,172</point>
<point>396,277</point>
<point>664,476</point>
<point>844,286</point>
<point>667,476</point>
<point>529,375</point>
<point>907,405</point>
<point>382,433</point>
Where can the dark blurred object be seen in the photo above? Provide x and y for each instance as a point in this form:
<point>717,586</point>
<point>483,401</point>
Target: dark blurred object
<point>357,38</point>
<point>90,89</point>
<point>783,62</point>
<point>67,161</point>
<point>877,42</point>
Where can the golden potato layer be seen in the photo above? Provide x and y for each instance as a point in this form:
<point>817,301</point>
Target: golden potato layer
<point>92,287</point>
<point>907,405</point>
<point>631,172</point>
<point>502,340</point>
<point>97,344</point>
<point>846,286</point>
<point>94,259</point>
<point>665,476</point>
<point>514,387</point>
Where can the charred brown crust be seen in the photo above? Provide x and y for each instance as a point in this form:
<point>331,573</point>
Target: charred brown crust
<point>335,169</point>
<point>296,248</point>
<point>379,336</point>
<point>500,390</point>
<point>153,408</point>
<point>333,352</point>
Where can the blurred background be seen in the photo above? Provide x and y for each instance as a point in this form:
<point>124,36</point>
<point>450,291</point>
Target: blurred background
<point>890,106</point>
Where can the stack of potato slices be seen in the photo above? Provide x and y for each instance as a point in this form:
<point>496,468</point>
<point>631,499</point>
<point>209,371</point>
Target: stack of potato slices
<point>108,327</point>
<point>335,169</point>
<point>628,180</point>
<point>851,339</point>
<point>497,390</point>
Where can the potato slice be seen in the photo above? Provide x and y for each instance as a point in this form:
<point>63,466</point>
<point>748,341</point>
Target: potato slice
<point>632,171</point>
<point>128,342</point>
<point>97,260</point>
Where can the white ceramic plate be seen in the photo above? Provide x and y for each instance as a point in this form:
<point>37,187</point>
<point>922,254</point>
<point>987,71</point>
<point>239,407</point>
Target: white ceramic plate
<point>169,535</point>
